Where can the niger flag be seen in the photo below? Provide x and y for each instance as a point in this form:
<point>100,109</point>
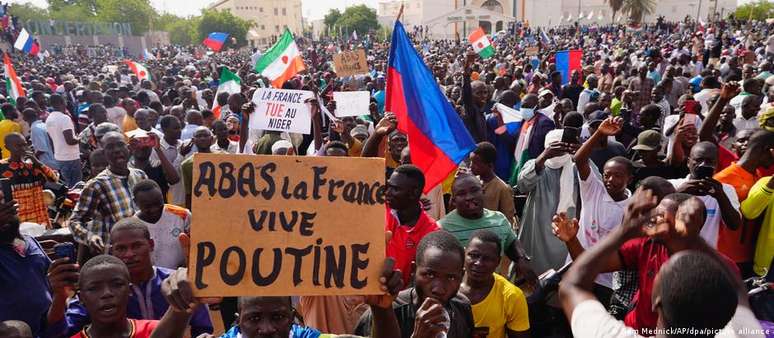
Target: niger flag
<point>281,61</point>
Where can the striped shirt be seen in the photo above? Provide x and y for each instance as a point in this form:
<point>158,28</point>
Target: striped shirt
<point>105,199</point>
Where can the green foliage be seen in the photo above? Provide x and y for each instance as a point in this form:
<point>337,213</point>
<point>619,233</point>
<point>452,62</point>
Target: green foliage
<point>27,11</point>
<point>637,9</point>
<point>331,18</point>
<point>221,21</point>
<point>760,10</point>
<point>139,13</point>
<point>359,18</point>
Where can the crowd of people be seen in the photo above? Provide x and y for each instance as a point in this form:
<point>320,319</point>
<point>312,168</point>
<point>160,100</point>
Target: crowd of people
<point>644,181</point>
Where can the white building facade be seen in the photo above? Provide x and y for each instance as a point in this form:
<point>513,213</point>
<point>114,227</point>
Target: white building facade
<point>445,19</point>
<point>269,17</point>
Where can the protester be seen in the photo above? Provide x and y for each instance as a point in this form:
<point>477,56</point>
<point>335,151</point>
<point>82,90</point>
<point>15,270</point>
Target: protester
<point>27,176</point>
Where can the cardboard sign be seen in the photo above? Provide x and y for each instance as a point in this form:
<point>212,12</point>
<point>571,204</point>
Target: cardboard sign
<point>286,225</point>
<point>281,110</point>
<point>351,103</point>
<point>532,51</point>
<point>350,63</point>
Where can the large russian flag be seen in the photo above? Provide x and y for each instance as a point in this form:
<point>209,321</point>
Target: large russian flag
<point>437,137</point>
<point>567,61</point>
<point>215,40</point>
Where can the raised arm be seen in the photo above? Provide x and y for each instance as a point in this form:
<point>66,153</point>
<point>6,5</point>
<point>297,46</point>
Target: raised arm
<point>608,127</point>
<point>576,286</point>
<point>707,130</point>
<point>244,128</point>
<point>170,173</point>
<point>386,125</point>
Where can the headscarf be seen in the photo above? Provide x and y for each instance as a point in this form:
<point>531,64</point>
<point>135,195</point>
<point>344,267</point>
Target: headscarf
<point>567,178</point>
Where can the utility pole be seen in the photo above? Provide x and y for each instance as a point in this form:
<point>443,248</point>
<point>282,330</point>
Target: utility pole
<point>698,11</point>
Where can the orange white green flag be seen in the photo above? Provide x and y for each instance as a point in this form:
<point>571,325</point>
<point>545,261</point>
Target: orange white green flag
<point>282,61</point>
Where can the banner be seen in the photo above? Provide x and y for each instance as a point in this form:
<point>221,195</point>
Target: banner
<point>286,225</point>
<point>532,51</point>
<point>350,63</point>
<point>281,110</point>
<point>351,103</point>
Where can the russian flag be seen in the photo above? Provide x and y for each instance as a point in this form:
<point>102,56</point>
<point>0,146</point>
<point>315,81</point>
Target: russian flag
<point>215,40</point>
<point>437,137</point>
<point>25,42</point>
<point>567,61</point>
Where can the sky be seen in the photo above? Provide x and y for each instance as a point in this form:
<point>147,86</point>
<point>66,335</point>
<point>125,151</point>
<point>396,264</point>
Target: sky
<point>312,9</point>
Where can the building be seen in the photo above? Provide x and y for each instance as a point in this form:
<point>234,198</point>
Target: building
<point>447,19</point>
<point>269,17</point>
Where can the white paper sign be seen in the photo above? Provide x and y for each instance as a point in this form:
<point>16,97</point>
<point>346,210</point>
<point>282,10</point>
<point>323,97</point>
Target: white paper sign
<point>281,110</point>
<point>351,103</point>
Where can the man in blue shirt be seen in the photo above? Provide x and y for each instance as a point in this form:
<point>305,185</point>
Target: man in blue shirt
<point>44,151</point>
<point>23,266</point>
<point>132,244</point>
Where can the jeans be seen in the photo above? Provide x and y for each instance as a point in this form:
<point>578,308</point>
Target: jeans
<point>71,172</point>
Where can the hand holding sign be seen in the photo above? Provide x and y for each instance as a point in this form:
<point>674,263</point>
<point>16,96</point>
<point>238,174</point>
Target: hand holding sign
<point>281,110</point>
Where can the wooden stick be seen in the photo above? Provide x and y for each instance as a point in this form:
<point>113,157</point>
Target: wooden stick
<point>400,12</point>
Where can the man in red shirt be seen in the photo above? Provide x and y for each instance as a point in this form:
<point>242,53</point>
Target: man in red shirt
<point>406,219</point>
<point>648,247</point>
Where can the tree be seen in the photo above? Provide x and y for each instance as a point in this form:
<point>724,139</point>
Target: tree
<point>28,11</point>
<point>221,21</point>
<point>139,13</point>
<point>760,10</point>
<point>615,5</point>
<point>637,9</point>
<point>359,18</point>
<point>331,18</point>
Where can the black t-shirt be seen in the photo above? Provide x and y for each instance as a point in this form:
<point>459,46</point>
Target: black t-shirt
<point>600,155</point>
<point>664,170</point>
<point>157,175</point>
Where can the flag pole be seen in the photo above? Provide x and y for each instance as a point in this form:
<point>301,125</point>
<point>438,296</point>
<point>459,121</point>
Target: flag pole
<point>400,13</point>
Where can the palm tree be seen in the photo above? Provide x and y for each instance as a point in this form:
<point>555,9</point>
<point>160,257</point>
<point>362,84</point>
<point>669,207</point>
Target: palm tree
<point>638,8</point>
<point>615,5</point>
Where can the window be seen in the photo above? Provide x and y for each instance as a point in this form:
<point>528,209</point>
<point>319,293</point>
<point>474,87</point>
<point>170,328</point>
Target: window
<point>276,28</point>
<point>263,27</point>
<point>276,12</point>
<point>260,9</point>
<point>284,11</point>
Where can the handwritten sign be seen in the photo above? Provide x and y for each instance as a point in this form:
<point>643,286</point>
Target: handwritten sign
<point>351,103</point>
<point>532,51</point>
<point>285,225</point>
<point>350,63</point>
<point>281,110</point>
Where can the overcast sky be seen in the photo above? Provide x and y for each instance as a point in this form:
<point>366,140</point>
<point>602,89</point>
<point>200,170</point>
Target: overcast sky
<point>313,9</point>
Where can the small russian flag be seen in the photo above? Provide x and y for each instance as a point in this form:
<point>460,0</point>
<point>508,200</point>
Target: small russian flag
<point>567,61</point>
<point>215,40</point>
<point>25,42</point>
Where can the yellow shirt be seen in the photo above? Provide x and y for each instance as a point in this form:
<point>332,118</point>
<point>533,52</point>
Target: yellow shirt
<point>129,123</point>
<point>7,127</point>
<point>504,306</point>
<point>758,201</point>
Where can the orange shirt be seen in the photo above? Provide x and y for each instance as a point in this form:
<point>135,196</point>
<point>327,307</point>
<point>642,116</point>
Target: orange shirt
<point>738,244</point>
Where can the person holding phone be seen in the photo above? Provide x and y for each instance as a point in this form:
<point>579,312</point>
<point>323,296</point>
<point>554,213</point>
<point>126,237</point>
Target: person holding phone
<point>26,176</point>
<point>720,199</point>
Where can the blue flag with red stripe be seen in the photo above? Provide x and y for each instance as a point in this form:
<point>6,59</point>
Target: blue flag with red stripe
<point>437,137</point>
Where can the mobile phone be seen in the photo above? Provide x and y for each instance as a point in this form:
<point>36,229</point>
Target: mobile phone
<point>702,172</point>
<point>570,135</point>
<point>5,184</point>
<point>67,250</point>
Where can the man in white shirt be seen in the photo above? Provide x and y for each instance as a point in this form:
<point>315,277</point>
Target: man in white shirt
<point>710,86</point>
<point>62,132</point>
<point>170,146</point>
<point>115,114</point>
<point>604,198</point>
<point>720,200</point>
<point>586,94</point>
<point>165,223</point>
<point>747,116</point>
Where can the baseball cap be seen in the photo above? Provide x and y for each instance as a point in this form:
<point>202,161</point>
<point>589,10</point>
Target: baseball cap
<point>597,117</point>
<point>648,140</point>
